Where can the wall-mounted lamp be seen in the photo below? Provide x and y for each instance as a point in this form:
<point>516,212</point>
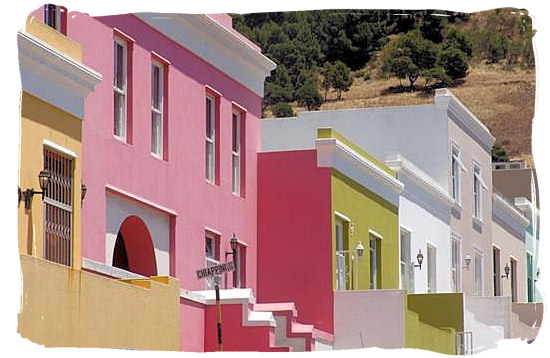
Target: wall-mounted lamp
<point>360,249</point>
<point>419,259</point>
<point>83,190</point>
<point>538,274</point>
<point>43,179</point>
<point>467,261</point>
<point>506,271</point>
<point>234,243</point>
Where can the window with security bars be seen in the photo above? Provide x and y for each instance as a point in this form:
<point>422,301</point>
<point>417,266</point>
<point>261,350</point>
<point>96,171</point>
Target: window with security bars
<point>58,208</point>
<point>212,253</point>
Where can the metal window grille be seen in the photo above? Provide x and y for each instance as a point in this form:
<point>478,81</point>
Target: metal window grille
<point>58,208</point>
<point>341,271</point>
<point>464,343</point>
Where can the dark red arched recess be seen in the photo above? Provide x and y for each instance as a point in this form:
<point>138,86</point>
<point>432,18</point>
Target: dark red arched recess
<point>138,247</point>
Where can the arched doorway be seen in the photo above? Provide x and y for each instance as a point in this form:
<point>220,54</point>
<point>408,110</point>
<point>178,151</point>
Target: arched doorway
<point>134,249</point>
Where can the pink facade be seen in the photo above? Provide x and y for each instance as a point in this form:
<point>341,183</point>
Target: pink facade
<point>296,205</point>
<point>173,187</point>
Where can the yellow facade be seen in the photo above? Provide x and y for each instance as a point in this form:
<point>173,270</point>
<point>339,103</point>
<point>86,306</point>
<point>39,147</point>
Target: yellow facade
<point>65,305</point>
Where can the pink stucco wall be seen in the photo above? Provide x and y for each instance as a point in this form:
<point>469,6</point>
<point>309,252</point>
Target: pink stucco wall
<point>177,183</point>
<point>295,235</point>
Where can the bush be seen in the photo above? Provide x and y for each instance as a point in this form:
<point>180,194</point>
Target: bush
<point>282,109</point>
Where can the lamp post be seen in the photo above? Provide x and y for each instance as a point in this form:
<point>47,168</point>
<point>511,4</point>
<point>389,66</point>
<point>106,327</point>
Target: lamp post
<point>43,180</point>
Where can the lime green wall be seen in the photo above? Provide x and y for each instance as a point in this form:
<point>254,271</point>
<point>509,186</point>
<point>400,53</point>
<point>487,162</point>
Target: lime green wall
<point>420,335</point>
<point>366,210</point>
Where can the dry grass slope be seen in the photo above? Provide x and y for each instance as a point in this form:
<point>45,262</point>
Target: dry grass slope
<point>504,100</point>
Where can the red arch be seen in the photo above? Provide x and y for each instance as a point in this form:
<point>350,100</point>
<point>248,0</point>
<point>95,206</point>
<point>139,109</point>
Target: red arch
<point>139,246</point>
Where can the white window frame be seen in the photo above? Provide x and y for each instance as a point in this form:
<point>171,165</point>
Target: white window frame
<point>211,141</point>
<point>341,264</point>
<point>121,91</point>
<point>478,267</point>
<point>211,261</point>
<point>456,264</point>
<point>431,259</point>
<point>157,112</point>
<point>478,186</point>
<point>405,263</point>
<point>236,154</point>
<point>374,261</point>
<point>457,166</point>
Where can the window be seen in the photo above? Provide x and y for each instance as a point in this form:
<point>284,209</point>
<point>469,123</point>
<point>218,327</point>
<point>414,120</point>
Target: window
<point>496,272</point>
<point>341,265</point>
<point>236,152</point>
<point>212,253</point>
<point>157,102</point>
<point>210,138</point>
<point>54,17</point>
<point>374,251</point>
<point>530,278</point>
<point>120,83</point>
<point>514,279</point>
<point>478,195</point>
<point>240,267</point>
<point>407,278</point>
<point>478,273</point>
<point>58,208</point>
<point>432,268</point>
<point>455,264</point>
<point>456,167</point>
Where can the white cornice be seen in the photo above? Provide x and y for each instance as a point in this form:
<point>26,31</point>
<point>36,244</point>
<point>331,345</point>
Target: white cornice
<point>525,205</point>
<point>53,76</point>
<point>459,113</point>
<point>217,45</point>
<point>333,153</point>
<point>403,166</point>
<point>510,209</point>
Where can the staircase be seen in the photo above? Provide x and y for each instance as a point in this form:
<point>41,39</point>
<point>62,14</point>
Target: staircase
<point>484,336</point>
<point>265,327</point>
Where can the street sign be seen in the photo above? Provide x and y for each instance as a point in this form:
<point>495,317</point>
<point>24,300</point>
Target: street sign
<point>215,270</point>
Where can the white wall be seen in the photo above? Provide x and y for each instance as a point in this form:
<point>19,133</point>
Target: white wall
<point>419,215</point>
<point>355,312</point>
<point>417,132</point>
<point>158,224</point>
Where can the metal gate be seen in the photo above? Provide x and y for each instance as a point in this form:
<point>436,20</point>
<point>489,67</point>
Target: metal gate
<point>464,343</point>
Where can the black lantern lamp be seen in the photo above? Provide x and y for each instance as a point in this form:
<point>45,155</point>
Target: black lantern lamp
<point>234,243</point>
<point>83,190</point>
<point>419,259</point>
<point>43,180</point>
<point>506,271</point>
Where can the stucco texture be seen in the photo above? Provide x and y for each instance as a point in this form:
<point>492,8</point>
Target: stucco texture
<point>367,211</point>
<point>63,306</point>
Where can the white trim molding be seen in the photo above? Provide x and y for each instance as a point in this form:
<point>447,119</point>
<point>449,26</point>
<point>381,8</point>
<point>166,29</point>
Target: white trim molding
<point>53,76</point>
<point>514,213</point>
<point>59,148</point>
<point>342,216</point>
<point>402,166</point>
<point>208,39</point>
<point>335,154</point>
<point>464,118</point>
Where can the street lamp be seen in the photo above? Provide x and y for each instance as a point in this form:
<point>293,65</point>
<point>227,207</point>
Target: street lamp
<point>419,259</point>
<point>43,180</point>
<point>234,243</point>
<point>83,190</point>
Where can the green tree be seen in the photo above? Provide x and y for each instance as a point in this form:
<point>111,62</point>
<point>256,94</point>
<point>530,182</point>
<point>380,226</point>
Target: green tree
<point>342,79</point>
<point>328,72</point>
<point>282,109</point>
<point>408,56</point>
<point>498,153</point>
<point>308,95</point>
<point>454,62</point>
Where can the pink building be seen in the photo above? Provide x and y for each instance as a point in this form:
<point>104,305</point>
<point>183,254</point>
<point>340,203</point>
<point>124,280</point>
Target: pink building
<point>169,152</point>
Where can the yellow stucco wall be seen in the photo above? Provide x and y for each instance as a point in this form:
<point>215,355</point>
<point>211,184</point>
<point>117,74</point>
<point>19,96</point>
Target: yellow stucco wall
<point>39,121</point>
<point>62,306</point>
<point>367,210</point>
<point>54,38</point>
<point>420,335</point>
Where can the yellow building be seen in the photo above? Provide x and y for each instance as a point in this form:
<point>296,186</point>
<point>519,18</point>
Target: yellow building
<point>62,304</point>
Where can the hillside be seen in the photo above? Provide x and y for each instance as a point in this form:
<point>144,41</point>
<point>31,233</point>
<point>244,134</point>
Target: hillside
<point>504,100</point>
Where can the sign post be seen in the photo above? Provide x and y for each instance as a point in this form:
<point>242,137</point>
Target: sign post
<point>213,271</point>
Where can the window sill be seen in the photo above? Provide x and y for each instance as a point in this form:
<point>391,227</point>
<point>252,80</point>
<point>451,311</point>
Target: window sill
<point>211,182</point>
<point>457,207</point>
<point>160,159</point>
<point>477,221</point>
<point>122,141</point>
<point>237,195</point>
